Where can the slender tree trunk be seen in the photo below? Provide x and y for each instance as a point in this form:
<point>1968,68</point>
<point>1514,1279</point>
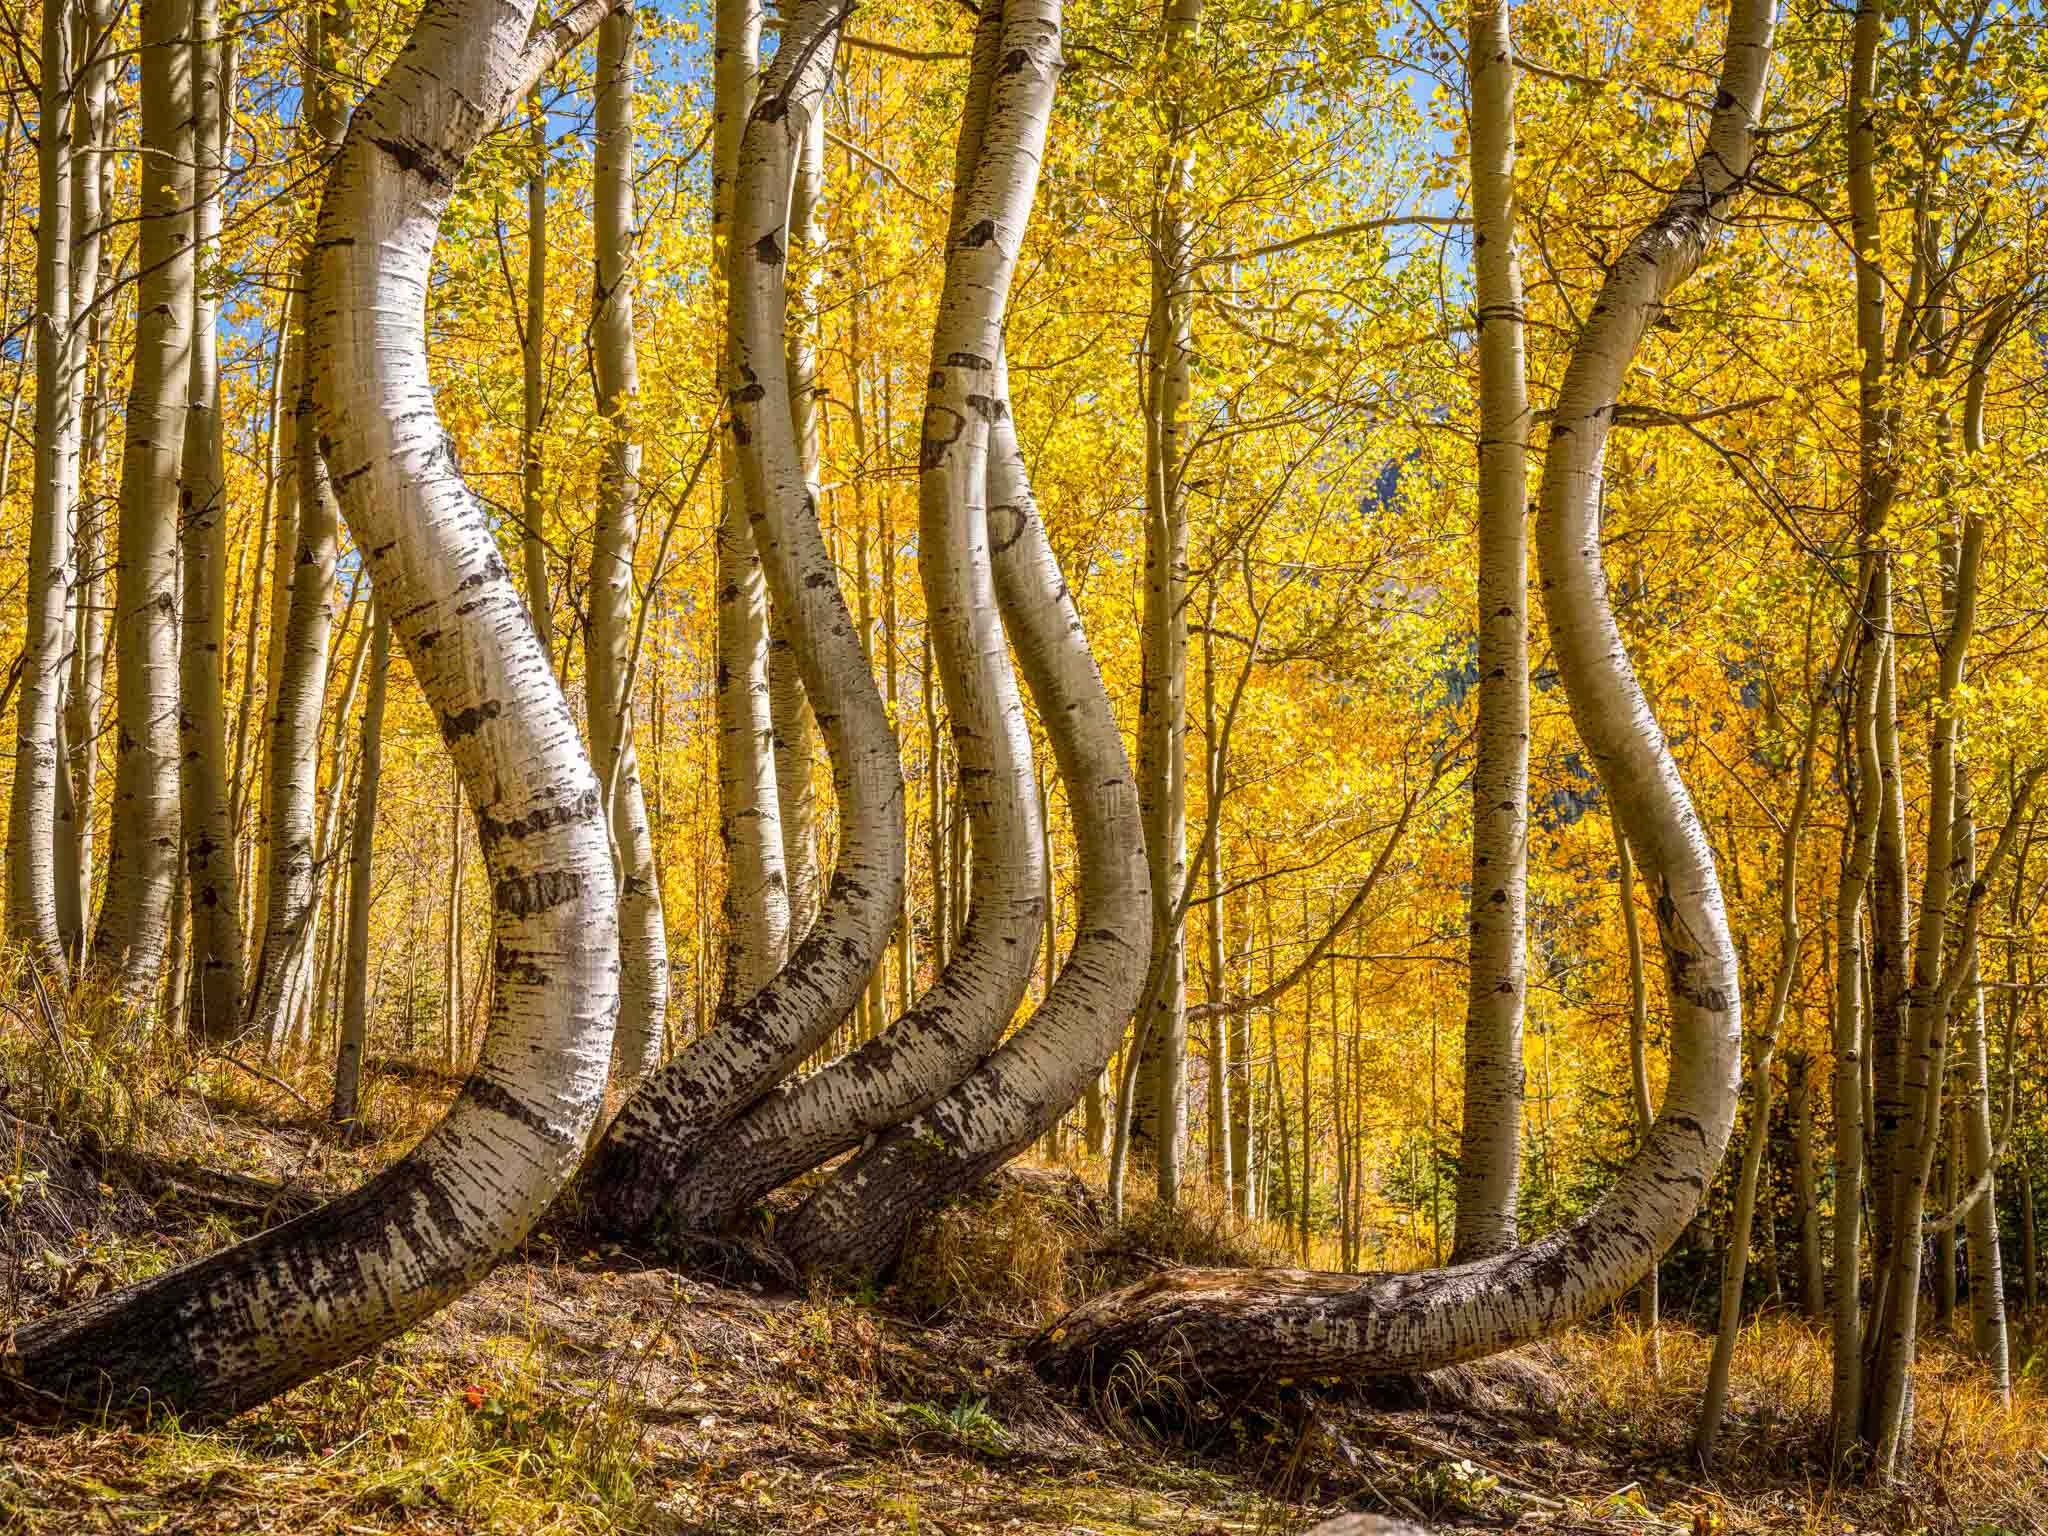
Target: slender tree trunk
<point>142,853</point>
<point>2030,1290</point>
<point>1227,1326</point>
<point>533,375</point>
<point>667,1123</point>
<point>1223,1170</point>
<point>213,1008</point>
<point>643,936</point>
<point>282,974</point>
<point>749,814</point>
<point>789,710</point>
<point>1987,1271</point>
<point>32,828</point>
<point>1489,1159</point>
<point>1159,1114</point>
<point>1648,1301</point>
<point>1813,1291</point>
<point>348,1055</point>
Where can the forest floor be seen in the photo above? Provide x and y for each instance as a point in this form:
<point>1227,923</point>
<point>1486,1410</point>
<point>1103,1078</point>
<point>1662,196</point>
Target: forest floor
<point>585,1389</point>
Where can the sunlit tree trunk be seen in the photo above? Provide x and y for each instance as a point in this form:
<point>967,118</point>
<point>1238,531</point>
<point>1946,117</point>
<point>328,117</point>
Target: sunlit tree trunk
<point>354,1034</point>
<point>1223,1167</point>
<point>1648,1294</point>
<point>789,710</point>
<point>749,810</point>
<point>1489,1159</point>
<point>1813,1290</point>
<point>753,1046</point>
<point>1158,1119</point>
<point>226,1331</point>
<point>142,854</point>
<point>1228,1325</point>
<point>282,974</point>
<point>534,380</point>
<point>32,827</point>
<point>902,1070</point>
<point>213,1005</point>
<point>643,937</point>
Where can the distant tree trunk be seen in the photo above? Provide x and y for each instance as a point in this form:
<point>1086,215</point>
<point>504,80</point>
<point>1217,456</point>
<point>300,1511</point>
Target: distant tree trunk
<point>643,936</point>
<point>1224,1326</point>
<point>216,1336</point>
<point>666,1124</point>
<point>92,179</point>
<point>1223,1169</point>
<point>451,1012</point>
<point>749,809</point>
<point>282,979</point>
<point>789,710</point>
<point>1987,1270</point>
<point>1158,1118</point>
<point>32,828</point>
<point>348,1055</point>
<point>2030,1290</point>
<point>142,853</point>
<point>902,1070</point>
<point>213,1008</point>
<point>533,376</point>
<point>1647,1298</point>
<point>1813,1291</point>
<point>1489,1159</point>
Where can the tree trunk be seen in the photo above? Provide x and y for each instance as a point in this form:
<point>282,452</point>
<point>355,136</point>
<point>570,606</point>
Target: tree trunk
<point>32,828</point>
<point>533,376</point>
<point>666,1124</point>
<point>1233,1325</point>
<point>749,814</point>
<point>213,1008</point>
<point>282,974</point>
<point>643,937</point>
<point>1489,1159</point>
<point>1648,1297</point>
<point>354,1036</point>
<point>1813,1289</point>
<point>142,852</point>
<point>788,709</point>
<point>902,1070</point>
<point>1158,1117</point>
<point>219,1334</point>
<point>1223,1168</point>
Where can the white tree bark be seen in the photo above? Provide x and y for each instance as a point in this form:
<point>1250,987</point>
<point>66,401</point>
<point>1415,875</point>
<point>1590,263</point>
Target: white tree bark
<point>1228,1325</point>
<point>664,1127</point>
<point>216,1335</point>
<point>904,1069</point>
<point>142,854</point>
<point>1490,1155</point>
<point>32,916</point>
<point>749,807</point>
<point>643,936</point>
<point>213,1004</point>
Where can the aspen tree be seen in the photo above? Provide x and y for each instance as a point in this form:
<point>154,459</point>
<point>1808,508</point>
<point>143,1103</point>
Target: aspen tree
<point>534,381</point>
<point>354,1034</point>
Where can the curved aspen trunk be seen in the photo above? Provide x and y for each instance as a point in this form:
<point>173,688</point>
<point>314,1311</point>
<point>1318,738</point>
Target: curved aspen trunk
<point>749,807</point>
<point>665,1126</point>
<point>213,1002</point>
<point>1232,1325</point>
<point>142,854</point>
<point>354,1035</point>
<point>32,915</point>
<point>789,710</point>
<point>533,377</point>
<point>643,936</point>
<point>283,969</point>
<point>858,1221</point>
<point>1157,1124</point>
<point>904,1069</point>
<point>219,1334</point>
<point>1490,1155</point>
